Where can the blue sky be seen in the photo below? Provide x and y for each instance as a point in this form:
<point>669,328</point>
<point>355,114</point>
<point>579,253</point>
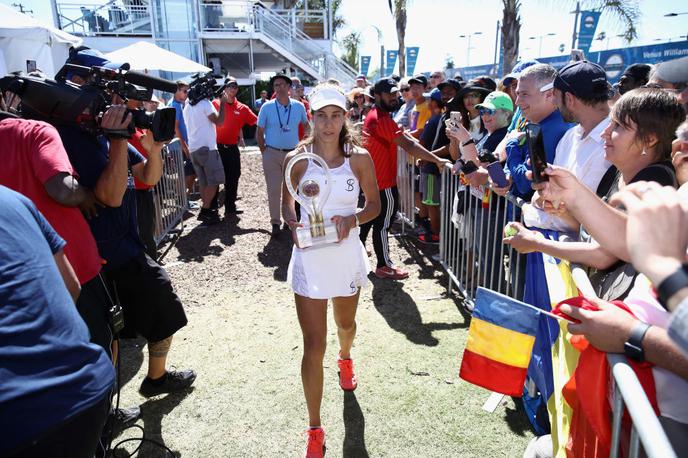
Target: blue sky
<point>435,26</point>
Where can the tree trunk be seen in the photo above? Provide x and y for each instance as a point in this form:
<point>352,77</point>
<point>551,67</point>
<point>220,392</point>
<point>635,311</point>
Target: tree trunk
<point>401,35</point>
<point>511,29</point>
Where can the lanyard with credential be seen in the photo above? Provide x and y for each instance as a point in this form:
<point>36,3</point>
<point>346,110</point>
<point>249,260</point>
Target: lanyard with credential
<point>285,127</point>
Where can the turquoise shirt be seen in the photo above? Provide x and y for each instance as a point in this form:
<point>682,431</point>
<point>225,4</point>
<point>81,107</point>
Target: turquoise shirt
<point>281,123</point>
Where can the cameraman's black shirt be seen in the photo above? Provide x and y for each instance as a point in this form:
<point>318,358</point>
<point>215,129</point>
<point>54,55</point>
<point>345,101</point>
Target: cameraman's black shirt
<point>115,228</point>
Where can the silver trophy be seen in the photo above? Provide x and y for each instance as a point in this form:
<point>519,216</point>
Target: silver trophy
<point>312,195</point>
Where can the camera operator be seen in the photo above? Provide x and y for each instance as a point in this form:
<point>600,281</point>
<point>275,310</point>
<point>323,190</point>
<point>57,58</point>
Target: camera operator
<point>201,118</point>
<point>151,308</point>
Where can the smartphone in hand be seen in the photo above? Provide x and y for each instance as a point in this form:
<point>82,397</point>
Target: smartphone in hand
<point>497,175</point>
<point>536,151</point>
<point>455,116</point>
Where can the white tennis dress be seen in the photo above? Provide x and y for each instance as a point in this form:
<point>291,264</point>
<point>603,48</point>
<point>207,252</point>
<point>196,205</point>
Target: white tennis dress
<point>335,269</point>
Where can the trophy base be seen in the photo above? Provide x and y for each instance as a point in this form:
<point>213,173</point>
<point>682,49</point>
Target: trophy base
<point>305,239</point>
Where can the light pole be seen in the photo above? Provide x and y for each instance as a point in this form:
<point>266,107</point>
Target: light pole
<point>550,34</point>
<point>468,50</point>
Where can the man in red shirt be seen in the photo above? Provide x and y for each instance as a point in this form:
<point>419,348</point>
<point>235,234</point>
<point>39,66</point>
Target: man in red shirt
<point>36,165</point>
<point>228,133</point>
<point>381,136</point>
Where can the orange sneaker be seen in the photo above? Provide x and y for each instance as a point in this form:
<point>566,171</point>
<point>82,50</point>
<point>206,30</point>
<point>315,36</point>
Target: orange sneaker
<point>347,378</point>
<point>315,443</point>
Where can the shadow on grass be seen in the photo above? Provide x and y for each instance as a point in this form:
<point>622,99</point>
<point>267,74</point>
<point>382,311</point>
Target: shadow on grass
<point>152,413</point>
<point>354,428</point>
<point>401,313</point>
<point>517,418</point>
<point>195,245</point>
<point>276,253</point>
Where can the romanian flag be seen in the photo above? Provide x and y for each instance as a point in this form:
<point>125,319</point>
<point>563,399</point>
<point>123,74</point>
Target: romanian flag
<point>500,343</point>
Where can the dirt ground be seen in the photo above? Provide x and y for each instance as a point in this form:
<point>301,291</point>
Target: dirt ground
<point>244,341</point>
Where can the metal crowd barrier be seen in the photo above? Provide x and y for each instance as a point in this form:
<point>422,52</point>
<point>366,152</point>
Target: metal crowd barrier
<point>471,248</point>
<point>646,428</point>
<point>405,181</point>
<point>170,192</point>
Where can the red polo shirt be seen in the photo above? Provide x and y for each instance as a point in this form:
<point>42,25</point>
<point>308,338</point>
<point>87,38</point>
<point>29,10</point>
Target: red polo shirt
<point>236,116</point>
<point>379,132</point>
<point>135,141</point>
<point>31,154</point>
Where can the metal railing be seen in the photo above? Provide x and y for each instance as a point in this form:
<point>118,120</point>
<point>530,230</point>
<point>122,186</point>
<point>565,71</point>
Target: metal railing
<point>170,192</point>
<point>645,427</point>
<point>405,185</point>
<point>471,249</point>
<point>116,17</point>
<point>472,254</point>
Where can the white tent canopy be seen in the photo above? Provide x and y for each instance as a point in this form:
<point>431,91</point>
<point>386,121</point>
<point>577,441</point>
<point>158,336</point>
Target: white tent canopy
<point>146,56</point>
<point>24,38</point>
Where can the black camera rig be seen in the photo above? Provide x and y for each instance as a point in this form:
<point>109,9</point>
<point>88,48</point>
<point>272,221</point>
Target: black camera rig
<point>63,102</point>
<point>204,86</point>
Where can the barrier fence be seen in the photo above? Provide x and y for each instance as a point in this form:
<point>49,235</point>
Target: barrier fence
<point>170,192</point>
<point>472,254</point>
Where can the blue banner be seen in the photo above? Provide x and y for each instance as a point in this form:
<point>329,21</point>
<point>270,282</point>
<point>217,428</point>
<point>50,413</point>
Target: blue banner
<point>614,61</point>
<point>391,61</point>
<point>586,31</point>
<point>365,65</point>
<point>411,59</point>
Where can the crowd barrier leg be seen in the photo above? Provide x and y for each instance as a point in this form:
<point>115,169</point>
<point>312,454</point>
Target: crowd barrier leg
<point>170,192</point>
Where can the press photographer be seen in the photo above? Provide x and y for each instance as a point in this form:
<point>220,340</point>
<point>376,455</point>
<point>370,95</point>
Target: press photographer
<point>201,117</point>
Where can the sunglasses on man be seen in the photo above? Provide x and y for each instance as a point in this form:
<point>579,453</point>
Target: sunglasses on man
<point>486,111</point>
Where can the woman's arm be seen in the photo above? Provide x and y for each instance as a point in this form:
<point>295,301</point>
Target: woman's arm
<point>588,254</point>
<point>364,169</point>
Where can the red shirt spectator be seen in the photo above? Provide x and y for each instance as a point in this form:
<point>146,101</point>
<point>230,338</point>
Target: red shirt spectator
<point>379,133</point>
<point>135,141</point>
<point>236,116</point>
<point>32,153</point>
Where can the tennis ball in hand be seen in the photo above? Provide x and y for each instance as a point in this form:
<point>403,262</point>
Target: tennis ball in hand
<point>510,230</point>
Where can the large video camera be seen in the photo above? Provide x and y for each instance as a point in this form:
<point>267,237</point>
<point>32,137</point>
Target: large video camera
<point>203,86</point>
<point>63,102</point>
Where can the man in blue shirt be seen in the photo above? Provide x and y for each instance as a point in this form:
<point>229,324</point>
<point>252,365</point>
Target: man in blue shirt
<point>538,107</point>
<point>180,132</point>
<point>54,384</point>
<point>276,135</point>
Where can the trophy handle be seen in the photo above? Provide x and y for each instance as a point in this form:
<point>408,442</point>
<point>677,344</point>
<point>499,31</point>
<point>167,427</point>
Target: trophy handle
<point>322,198</point>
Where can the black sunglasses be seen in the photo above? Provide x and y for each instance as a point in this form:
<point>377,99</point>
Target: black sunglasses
<point>405,89</point>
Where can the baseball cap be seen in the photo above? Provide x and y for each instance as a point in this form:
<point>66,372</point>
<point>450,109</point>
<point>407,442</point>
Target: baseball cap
<point>286,78</point>
<point>518,69</point>
<point>497,100</point>
<point>87,57</point>
<point>419,79</point>
<point>638,71</point>
<point>584,79</point>
<point>435,94</point>
<point>361,77</point>
<point>324,96</point>
<point>385,85</point>
<point>673,71</point>
<point>451,82</point>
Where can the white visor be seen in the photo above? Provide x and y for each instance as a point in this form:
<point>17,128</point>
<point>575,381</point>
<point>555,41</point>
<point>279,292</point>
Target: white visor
<point>327,96</point>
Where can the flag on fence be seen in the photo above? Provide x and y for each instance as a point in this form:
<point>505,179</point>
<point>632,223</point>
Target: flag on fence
<point>548,282</point>
<point>500,342</point>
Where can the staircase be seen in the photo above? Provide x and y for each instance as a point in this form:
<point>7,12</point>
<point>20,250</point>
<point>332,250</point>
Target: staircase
<point>254,20</point>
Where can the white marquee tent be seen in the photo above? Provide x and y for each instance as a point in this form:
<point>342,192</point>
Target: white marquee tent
<point>24,38</point>
<point>146,56</point>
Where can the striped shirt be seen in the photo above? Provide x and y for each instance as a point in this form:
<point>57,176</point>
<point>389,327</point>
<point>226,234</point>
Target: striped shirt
<point>379,132</point>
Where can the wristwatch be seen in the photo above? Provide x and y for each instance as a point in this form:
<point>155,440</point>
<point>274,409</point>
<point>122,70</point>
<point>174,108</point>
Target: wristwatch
<point>672,284</point>
<point>468,142</point>
<point>633,347</point>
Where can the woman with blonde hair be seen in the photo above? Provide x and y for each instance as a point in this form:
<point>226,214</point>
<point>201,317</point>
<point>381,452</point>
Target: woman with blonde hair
<point>334,271</point>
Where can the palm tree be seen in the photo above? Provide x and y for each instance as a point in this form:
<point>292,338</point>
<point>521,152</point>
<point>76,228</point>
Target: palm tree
<point>398,10</point>
<point>351,44</point>
<point>625,11</point>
